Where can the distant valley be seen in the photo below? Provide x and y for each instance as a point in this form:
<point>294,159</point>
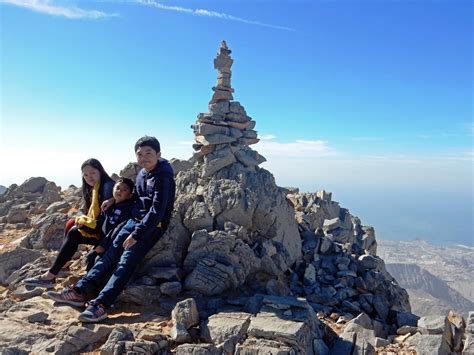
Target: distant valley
<point>437,278</point>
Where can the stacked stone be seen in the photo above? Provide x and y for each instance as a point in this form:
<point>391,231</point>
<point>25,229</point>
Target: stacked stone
<point>339,271</point>
<point>223,134</point>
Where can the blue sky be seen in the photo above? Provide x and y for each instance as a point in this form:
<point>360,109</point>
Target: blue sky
<point>371,100</point>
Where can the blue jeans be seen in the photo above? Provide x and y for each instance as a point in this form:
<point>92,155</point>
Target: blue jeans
<point>119,263</point>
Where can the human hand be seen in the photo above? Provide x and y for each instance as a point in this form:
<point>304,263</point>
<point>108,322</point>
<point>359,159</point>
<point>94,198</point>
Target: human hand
<point>107,204</point>
<point>99,249</point>
<point>129,242</point>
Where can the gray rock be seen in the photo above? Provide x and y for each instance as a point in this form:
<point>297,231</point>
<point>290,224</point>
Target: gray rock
<point>236,107</point>
<point>213,139</point>
<point>209,275</point>
<point>310,274</point>
<point>116,335</point>
<point>269,326</point>
<point>331,224</point>
<point>225,326</point>
<point>78,338</point>
<point>198,217</point>
<point>237,117</point>
<point>432,324</point>
<point>219,108</point>
<point>428,344</point>
<point>265,347</point>
<point>455,331</point>
<point>38,317</point>
<point>47,233</point>
<point>407,318</point>
<point>24,293</point>
<point>368,262</point>
<point>139,347</point>
<point>217,160</point>
<point>60,206</point>
<point>184,316</point>
<point>13,260</point>
<point>407,329</point>
<point>140,294</point>
<point>17,214</point>
<point>170,250</point>
<point>358,337</point>
<point>197,349</point>
<point>130,171</point>
<point>171,288</point>
<point>469,335</point>
<point>381,306</point>
<point>179,165</point>
<point>380,342</point>
<point>165,273</point>
<point>51,193</point>
<point>30,269</point>
<point>249,157</point>
<point>34,184</point>
<point>206,129</point>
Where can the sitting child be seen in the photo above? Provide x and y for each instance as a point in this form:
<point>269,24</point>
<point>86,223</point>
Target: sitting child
<point>87,228</point>
<point>111,220</point>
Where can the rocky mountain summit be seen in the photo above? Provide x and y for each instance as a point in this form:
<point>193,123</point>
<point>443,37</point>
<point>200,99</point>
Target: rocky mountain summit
<point>245,267</point>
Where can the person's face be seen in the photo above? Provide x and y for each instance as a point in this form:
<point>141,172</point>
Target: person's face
<point>122,192</point>
<point>91,175</point>
<point>147,157</point>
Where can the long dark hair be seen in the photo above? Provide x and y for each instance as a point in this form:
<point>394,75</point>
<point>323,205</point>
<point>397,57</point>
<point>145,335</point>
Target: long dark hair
<point>86,188</point>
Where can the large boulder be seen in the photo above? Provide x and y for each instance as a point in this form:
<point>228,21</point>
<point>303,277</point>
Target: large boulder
<point>13,260</point>
<point>47,232</point>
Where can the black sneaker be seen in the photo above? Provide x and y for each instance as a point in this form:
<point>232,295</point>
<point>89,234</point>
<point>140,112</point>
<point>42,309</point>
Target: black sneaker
<point>40,282</point>
<point>95,312</point>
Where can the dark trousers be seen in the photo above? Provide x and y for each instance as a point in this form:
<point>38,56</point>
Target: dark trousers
<point>119,263</point>
<point>71,243</point>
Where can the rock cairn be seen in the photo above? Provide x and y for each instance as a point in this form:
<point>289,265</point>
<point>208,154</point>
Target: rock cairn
<point>223,134</point>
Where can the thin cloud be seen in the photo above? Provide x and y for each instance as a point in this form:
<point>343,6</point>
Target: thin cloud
<point>49,8</point>
<point>266,137</point>
<point>296,149</point>
<point>207,13</point>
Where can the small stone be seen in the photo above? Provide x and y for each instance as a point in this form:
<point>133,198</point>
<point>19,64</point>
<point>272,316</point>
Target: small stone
<point>406,329</point>
<point>39,317</point>
<point>310,274</point>
<point>330,224</point>
<point>379,342</point>
<point>369,262</point>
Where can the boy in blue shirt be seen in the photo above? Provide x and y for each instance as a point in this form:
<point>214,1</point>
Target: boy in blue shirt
<point>155,191</point>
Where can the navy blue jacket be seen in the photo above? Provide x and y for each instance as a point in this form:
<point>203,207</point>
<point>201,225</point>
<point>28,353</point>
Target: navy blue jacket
<point>110,220</point>
<point>155,191</point>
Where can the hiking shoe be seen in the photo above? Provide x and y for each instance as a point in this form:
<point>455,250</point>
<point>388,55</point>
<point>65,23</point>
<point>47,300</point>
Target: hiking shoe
<point>68,296</point>
<point>95,312</point>
<point>39,281</point>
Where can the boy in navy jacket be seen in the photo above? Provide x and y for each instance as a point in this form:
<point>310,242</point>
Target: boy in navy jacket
<point>155,190</point>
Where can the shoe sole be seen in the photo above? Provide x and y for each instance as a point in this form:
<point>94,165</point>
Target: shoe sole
<point>60,300</point>
<point>37,284</point>
<point>87,319</point>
